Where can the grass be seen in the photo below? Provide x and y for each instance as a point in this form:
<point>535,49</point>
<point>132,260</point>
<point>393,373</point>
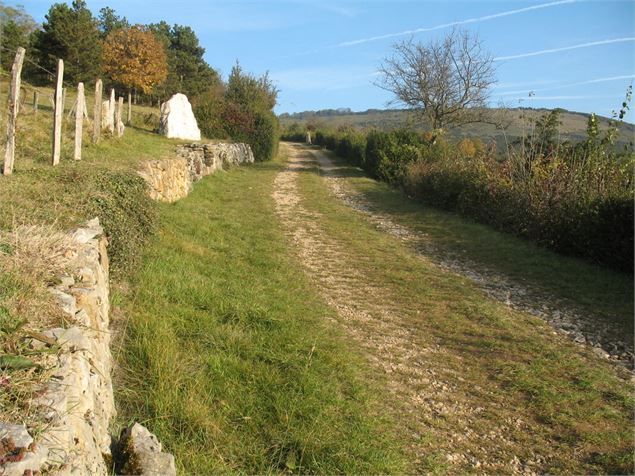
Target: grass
<point>29,257</point>
<point>227,353</point>
<point>38,193</point>
<point>40,203</point>
<point>576,407</point>
<point>606,294</point>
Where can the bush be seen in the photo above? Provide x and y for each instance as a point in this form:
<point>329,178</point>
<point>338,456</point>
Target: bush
<point>573,209</point>
<point>389,153</point>
<point>241,111</point>
<point>128,216</point>
<point>294,133</point>
<point>574,199</point>
<point>208,109</point>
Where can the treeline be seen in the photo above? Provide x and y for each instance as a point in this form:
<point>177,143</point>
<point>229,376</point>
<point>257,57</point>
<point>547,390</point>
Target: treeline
<point>151,62</point>
<point>576,199</point>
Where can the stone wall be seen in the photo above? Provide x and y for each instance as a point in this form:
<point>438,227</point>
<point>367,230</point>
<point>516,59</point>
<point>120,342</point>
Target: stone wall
<point>172,179</point>
<point>75,405</point>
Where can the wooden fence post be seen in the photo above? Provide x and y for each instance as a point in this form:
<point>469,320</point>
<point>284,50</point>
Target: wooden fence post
<point>118,116</point>
<point>57,115</point>
<point>14,97</point>
<point>111,112</point>
<point>129,108</point>
<point>97,111</point>
<point>36,97</point>
<point>63,100</point>
<point>79,121</point>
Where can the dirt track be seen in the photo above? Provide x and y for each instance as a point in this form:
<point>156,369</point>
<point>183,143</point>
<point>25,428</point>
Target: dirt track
<point>443,418</point>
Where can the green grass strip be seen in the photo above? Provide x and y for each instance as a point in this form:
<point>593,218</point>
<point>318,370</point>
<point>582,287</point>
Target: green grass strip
<point>228,355</point>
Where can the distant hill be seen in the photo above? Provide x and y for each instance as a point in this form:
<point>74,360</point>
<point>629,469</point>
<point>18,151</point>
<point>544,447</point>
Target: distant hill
<point>573,126</point>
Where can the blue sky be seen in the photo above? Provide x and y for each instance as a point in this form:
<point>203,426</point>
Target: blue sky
<point>576,54</point>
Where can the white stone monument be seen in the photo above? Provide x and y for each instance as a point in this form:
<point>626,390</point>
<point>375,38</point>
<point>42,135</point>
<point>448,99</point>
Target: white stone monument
<point>177,119</point>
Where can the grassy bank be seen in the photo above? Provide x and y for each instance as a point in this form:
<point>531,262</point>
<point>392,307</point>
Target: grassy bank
<point>227,353</point>
<point>40,203</point>
<point>575,199</point>
<point>571,407</point>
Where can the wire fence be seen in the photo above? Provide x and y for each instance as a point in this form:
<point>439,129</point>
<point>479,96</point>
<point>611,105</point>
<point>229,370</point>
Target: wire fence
<point>107,114</point>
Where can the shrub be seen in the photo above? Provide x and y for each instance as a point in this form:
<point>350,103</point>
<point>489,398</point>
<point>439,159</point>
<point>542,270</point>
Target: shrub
<point>574,199</point>
<point>127,214</point>
<point>241,111</point>
<point>209,111</point>
<point>389,153</point>
<point>294,133</point>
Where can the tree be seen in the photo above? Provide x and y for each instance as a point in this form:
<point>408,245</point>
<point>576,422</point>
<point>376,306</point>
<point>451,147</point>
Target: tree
<point>249,91</point>
<point>248,113</point>
<point>241,111</point>
<point>16,27</point>
<point>135,58</point>
<point>446,82</point>
<point>188,72</point>
<point>70,33</point>
<point>109,21</point>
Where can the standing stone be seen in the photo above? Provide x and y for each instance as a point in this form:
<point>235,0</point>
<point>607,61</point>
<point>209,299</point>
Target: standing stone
<point>177,119</point>
<point>107,117</point>
<point>119,127</point>
<point>108,113</point>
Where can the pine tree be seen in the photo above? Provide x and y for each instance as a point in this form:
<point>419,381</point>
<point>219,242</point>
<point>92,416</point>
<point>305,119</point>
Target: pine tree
<point>16,27</point>
<point>109,21</point>
<point>71,34</point>
<point>188,72</point>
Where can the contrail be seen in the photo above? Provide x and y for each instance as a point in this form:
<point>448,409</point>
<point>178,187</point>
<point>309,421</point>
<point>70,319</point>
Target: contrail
<point>566,48</point>
<point>568,85</point>
<point>456,23</point>
<point>563,98</point>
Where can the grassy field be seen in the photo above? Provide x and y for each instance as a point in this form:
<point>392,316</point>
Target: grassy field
<point>227,352</point>
<point>518,122</point>
<point>38,193</point>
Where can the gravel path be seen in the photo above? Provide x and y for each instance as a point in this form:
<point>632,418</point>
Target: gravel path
<point>469,427</point>
<point>580,326</point>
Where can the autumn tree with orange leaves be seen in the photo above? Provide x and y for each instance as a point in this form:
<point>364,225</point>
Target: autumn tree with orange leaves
<point>135,58</point>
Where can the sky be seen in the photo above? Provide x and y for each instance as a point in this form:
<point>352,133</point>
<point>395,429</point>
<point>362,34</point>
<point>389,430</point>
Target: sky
<point>323,54</point>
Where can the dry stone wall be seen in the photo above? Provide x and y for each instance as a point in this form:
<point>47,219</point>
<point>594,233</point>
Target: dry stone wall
<point>76,405</point>
<point>172,179</point>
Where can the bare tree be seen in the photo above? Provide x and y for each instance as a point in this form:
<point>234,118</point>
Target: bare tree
<point>446,82</point>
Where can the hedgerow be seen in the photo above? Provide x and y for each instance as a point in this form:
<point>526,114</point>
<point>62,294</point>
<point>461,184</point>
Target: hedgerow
<point>576,199</point>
